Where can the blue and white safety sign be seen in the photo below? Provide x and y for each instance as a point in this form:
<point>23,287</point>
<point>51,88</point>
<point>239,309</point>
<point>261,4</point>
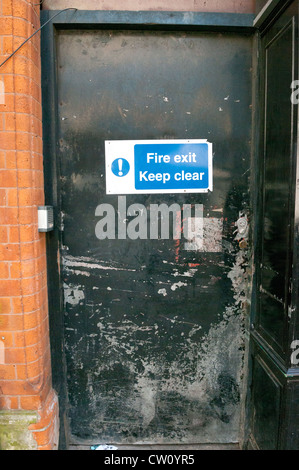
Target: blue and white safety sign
<point>158,166</point>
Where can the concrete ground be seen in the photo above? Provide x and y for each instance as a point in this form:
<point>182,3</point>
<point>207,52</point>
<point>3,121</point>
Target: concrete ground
<point>184,447</point>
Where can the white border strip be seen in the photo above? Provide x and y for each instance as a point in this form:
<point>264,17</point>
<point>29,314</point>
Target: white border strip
<point>268,8</point>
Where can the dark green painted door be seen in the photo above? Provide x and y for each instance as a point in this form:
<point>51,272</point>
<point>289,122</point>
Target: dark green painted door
<point>274,420</point>
<point>153,333</point>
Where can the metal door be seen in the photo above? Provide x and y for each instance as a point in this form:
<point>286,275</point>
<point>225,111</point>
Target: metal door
<point>153,333</point>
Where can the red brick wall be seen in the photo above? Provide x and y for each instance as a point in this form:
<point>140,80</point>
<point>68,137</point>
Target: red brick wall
<point>25,369</point>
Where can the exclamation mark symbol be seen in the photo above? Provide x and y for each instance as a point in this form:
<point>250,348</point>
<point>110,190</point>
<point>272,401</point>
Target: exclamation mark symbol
<point>120,166</point>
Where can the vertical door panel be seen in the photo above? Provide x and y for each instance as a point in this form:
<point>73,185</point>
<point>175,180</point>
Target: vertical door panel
<point>275,374</point>
<point>277,196</point>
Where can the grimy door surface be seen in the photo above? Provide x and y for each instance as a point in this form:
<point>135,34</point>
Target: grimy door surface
<point>154,333</point>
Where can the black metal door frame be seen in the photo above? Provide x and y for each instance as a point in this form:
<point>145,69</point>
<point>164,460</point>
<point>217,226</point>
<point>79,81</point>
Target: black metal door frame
<point>174,21</point>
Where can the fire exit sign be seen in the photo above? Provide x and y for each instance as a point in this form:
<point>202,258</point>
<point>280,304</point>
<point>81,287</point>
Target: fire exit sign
<point>158,166</point>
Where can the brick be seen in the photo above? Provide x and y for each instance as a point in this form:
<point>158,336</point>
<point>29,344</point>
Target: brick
<point>23,141</point>
<point>37,144</point>
<point>32,370</point>
<point>37,196</point>
<point>30,51</point>
<point>21,28</point>
<point>27,251</point>
<point>8,81</point>
<point>7,44</point>
<point>17,305</point>
<point>20,9</point>
<point>15,270</point>
<point>22,85</point>
<point>9,121</point>
<point>4,270</point>
<point>14,234</point>
<point>3,201</point>
<point>10,287</point>
<point>7,372</point>
<point>25,178</point>
<point>11,322</point>
<point>15,356</point>
<point>21,371</point>
<point>7,338</point>
<point>44,437</point>
<point>7,140</point>
<point>23,122</point>
<point>24,160</point>
<point>5,306</point>
<point>11,159</point>
<point>28,233</point>
<point>9,252</point>
<point>11,43</point>
<point>30,320</point>
<point>2,159</point>
<point>23,104</point>
<point>3,234</point>
<point>36,92</point>
<point>25,197</point>
<point>6,26</point>
<point>3,231</point>
<point>32,336</point>
<point>19,339</point>
<point>38,179</point>
<point>42,264</point>
<point>28,267</point>
<point>8,215</point>
<point>8,178</point>
<point>37,162</point>
<point>7,7</point>
<point>32,355</point>
<point>7,67</point>
<point>16,387</point>
<point>27,215</point>
<point>31,402</point>
<point>8,105</point>
<point>30,286</point>
<point>9,403</point>
<point>12,197</point>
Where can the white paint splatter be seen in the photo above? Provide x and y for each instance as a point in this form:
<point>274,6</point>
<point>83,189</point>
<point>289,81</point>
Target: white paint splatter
<point>162,292</point>
<point>73,294</point>
<point>238,278</point>
<point>89,263</point>
<point>189,273</point>
<point>178,285</point>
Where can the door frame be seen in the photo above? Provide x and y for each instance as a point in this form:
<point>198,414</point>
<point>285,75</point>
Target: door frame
<point>81,19</point>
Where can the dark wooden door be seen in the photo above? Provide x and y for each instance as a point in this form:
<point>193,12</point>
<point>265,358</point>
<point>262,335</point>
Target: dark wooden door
<point>274,382</point>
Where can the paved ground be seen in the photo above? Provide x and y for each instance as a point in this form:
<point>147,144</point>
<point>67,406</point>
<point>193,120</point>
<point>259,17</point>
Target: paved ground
<point>165,447</point>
